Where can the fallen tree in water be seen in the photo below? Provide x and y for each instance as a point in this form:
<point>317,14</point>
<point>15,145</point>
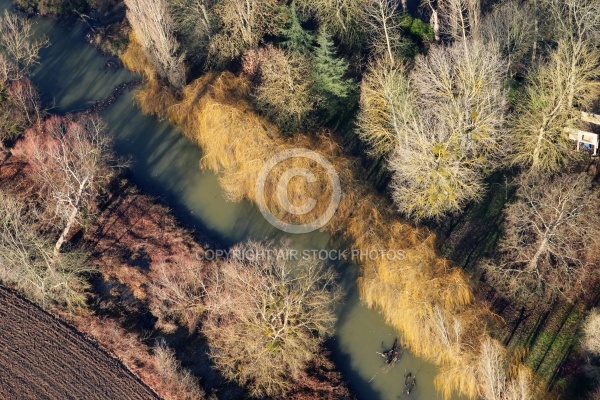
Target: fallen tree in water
<point>392,355</point>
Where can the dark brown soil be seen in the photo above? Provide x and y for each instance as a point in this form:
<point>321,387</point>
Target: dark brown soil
<point>44,358</point>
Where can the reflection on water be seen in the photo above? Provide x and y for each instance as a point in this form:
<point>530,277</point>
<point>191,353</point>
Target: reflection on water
<point>166,164</point>
<point>72,76</point>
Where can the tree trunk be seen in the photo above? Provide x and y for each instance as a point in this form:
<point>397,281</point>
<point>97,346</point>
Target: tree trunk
<point>532,265</point>
<point>70,221</point>
<point>65,233</point>
<point>434,21</point>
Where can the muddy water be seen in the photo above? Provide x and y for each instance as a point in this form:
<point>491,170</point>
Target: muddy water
<point>166,164</point>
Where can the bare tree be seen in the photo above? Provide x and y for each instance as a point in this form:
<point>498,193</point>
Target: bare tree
<point>18,44</point>
<point>545,251</point>
<point>177,291</point>
<point>577,24</point>
<point>243,25</point>
<point>20,108</point>
<point>462,85</point>
<point>431,177</point>
<point>341,17</point>
<point>72,162</point>
<point>453,132</point>
<point>558,88</point>
<point>154,29</point>
<point>7,70</point>
<point>577,20</point>
<point>27,100</point>
<point>456,19</point>
<point>196,24</point>
<point>267,317</point>
<point>27,261</point>
<point>508,27</point>
<point>283,90</point>
<point>386,106</point>
<point>497,380</point>
<point>384,19</point>
<point>441,128</point>
<point>552,100</point>
<point>169,367</point>
<point>591,332</point>
<point>20,105</point>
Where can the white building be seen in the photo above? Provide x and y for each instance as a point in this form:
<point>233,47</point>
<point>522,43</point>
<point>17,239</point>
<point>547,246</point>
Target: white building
<point>586,141</point>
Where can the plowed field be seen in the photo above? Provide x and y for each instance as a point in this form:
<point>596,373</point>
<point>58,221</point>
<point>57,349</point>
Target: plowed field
<point>41,357</point>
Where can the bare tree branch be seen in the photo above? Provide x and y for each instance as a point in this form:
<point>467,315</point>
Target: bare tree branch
<point>267,317</point>
<point>154,30</point>
<point>549,231</point>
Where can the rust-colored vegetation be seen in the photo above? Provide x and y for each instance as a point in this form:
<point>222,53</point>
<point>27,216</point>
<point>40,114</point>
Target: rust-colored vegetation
<point>128,227</point>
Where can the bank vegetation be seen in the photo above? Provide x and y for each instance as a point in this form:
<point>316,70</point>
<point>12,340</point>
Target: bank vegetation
<point>439,102</point>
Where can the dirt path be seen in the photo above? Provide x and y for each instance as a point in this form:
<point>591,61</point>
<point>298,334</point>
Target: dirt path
<point>43,358</point>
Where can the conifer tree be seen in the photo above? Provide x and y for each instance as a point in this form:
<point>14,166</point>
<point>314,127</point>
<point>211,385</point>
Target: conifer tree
<point>328,73</point>
<point>296,37</point>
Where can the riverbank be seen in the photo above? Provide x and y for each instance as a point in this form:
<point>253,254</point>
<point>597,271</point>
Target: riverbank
<point>133,240</point>
<point>128,242</point>
<point>215,112</point>
<point>167,167</point>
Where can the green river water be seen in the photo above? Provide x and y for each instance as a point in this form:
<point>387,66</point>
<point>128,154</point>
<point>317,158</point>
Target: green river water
<point>166,165</point>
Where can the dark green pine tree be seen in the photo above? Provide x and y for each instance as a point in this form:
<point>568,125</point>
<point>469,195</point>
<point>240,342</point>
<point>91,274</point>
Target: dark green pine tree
<point>328,73</point>
<point>295,37</point>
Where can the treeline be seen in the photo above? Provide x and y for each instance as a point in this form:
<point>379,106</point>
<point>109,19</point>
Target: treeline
<point>69,232</point>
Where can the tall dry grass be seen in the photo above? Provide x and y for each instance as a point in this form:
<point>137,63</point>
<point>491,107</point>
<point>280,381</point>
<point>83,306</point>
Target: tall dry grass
<point>426,298</point>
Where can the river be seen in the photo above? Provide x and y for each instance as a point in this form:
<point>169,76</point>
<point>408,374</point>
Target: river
<point>166,165</point>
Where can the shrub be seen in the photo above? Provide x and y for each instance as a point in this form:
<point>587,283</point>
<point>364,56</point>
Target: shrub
<point>169,368</point>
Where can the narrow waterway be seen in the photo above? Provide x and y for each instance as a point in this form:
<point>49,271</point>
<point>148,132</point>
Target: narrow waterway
<point>165,164</point>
